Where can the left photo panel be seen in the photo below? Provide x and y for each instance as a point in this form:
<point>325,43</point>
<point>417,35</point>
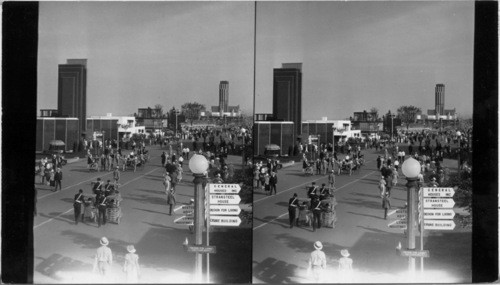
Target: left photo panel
<point>144,142</point>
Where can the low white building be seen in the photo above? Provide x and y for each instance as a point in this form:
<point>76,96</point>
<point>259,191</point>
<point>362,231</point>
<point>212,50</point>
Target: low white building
<point>126,125</point>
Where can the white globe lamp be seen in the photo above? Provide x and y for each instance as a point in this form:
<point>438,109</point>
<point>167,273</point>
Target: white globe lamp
<point>411,168</point>
<point>198,164</point>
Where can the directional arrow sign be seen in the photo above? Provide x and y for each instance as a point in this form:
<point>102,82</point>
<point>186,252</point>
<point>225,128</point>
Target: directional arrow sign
<point>225,221</point>
<point>438,192</point>
<point>414,253</point>
<point>185,210</point>
<point>224,199</point>
<point>398,211</point>
<point>225,210</point>
<point>184,220</point>
<point>224,188</point>
<point>439,214</point>
<point>398,224</point>
<point>439,224</point>
<point>441,203</point>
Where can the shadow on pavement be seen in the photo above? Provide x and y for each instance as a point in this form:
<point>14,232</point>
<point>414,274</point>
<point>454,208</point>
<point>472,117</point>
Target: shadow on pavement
<point>282,204</point>
<point>159,191</point>
<point>154,212</point>
<point>233,261</point>
<point>67,200</point>
<point>145,199</point>
<point>274,271</point>
<point>57,263</point>
<point>376,196</point>
<point>362,203</point>
<point>381,217</point>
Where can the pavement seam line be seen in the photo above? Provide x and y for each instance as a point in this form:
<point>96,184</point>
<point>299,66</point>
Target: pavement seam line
<point>263,224</point>
<point>51,219</point>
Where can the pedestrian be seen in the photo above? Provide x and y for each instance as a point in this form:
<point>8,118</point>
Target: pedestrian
<point>433,182</point>
<point>170,198</point>
<point>273,180</point>
<point>311,191</point>
<point>52,182</point>
<point>381,187</point>
<point>386,204</point>
<point>316,211</point>
<point>324,193</point>
<point>103,257</point>
<point>390,182</point>
<point>345,266</point>
<point>163,159</point>
<point>317,262</point>
<point>101,205</point>
<point>78,205</point>
<point>267,186</point>
<point>41,168</point>
<point>116,174</point>
<point>293,204</point>
<point>58,176</point>
<point>331,180</point>
<point>131,266</point>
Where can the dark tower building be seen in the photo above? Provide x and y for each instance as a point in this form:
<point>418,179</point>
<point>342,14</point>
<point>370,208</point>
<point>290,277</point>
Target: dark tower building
<point>223,96</point>
<point>287,94</point>
<point>72,91</point>
<point>439,104</point>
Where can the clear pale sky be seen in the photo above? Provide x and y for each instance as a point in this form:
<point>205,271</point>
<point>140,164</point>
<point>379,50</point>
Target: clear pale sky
<point>142,54</point>
<point>355,55</point>
<point>358,55</point>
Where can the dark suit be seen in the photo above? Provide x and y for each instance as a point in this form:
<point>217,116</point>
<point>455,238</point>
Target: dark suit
<point>101,206</point>
<point>311,192</point>
<point>58,178</point>
<point>293,204</point>
<point>273,180</point>
<point>77,205</point>
<point>316,210</point>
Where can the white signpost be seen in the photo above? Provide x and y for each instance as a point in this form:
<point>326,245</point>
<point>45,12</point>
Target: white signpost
<point>439,214</point>
<point>225,210</point>
<point>224,199</point>
<point>184,220</point>
<point>440,203</point>
<point>227,221</point>
<point>224,188</point>
<point>439,224</point>
<point>438,192</point>
<point>398,224</point>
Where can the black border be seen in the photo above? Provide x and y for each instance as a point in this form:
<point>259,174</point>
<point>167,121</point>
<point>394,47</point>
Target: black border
<point>19,82</point>
<point>485,144</point>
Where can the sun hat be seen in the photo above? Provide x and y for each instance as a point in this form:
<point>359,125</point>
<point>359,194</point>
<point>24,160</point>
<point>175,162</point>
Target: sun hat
<point>104,241</point>
<point>130,248</point>
<point>344,253</point>
<point>318,245</point>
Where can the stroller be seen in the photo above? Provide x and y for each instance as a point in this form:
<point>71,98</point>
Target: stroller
<point>93,163</point>
<point>308,168</point>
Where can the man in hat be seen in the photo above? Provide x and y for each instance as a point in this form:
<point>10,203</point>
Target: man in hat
<point>293,204</point>
<point>116,174</point>
<point>273,180</point>
<point>103,257</point>
<point>311,192</point>
<point>97,186</point>
<point>316,211</point>
<point>331,179</point>
<point>101,204</point>
<point>317,261</point>
<point>77,205</point>
<point>58,179</point>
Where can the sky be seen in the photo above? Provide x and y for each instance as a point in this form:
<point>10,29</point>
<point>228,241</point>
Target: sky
<point>359,55</point>
<point>355,55</point>
<point>142,54</point>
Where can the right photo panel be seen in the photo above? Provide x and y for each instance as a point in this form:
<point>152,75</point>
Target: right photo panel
<point>362,136</point>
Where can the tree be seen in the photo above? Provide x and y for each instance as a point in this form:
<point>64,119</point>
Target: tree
<point>158,111</point>
<point>408,114</point>
<point>192,111</point>
<point>374,111</point>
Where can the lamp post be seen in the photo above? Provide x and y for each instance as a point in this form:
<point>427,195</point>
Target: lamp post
<point>411,169</point>
<point>392,125</point>
<point>198,164</point>
<point>459,139</point>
